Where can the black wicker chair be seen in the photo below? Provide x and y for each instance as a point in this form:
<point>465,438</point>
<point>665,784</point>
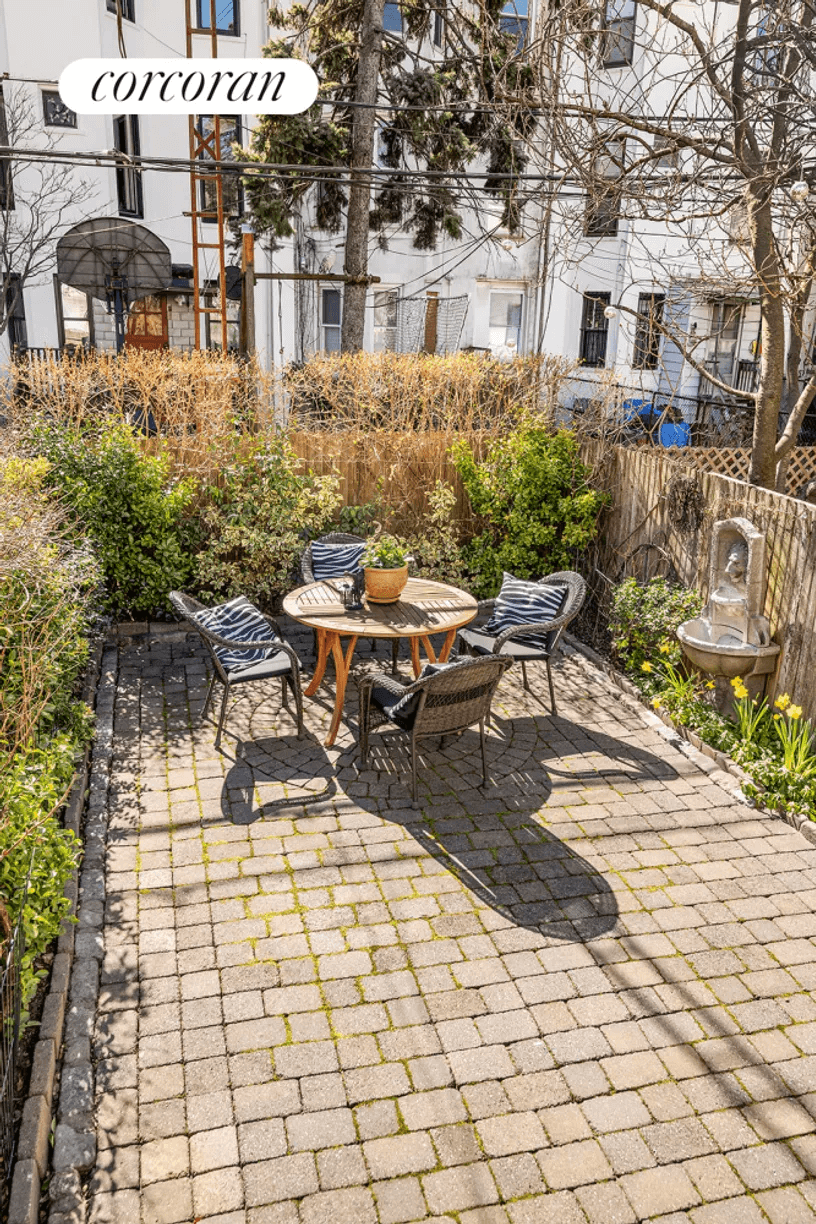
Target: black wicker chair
<point>307,575</point>
<point>447,702</point>
<point>510,643</point>
<point>279,660</point>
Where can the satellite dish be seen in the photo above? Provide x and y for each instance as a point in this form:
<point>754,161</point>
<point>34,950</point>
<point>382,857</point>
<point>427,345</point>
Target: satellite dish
<point>114,259</point>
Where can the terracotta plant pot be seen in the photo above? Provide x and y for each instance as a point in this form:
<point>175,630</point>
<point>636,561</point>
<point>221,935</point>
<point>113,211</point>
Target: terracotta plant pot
<point>385,585</point>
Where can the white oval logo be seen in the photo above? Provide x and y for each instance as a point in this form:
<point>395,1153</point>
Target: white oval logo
<point>188,86</point>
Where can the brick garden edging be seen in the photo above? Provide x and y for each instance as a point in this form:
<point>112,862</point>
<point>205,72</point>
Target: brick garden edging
<point>688,741</point>
<point>32,1158</point>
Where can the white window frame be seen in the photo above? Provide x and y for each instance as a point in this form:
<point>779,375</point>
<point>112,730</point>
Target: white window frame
<point>513,291</point>
<point>379,329</point>
<point>330,327</point>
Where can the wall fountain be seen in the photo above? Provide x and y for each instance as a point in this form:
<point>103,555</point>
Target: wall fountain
<point>731,637</point>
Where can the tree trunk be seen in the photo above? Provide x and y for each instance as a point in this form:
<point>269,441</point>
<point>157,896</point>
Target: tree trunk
<point>362,156</point>
<point>772,334</point>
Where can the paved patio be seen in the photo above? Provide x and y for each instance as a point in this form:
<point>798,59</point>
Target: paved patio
<point>581,995</point>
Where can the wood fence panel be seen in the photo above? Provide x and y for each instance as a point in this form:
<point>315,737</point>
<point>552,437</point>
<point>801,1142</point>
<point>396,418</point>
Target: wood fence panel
<point>643,510</point>
<point>395,469</point>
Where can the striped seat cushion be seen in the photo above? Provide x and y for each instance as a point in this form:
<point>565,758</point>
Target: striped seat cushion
<point>239,621</point>
<point>403,711</point>
<point>524,603</point>
<point>332,560</point>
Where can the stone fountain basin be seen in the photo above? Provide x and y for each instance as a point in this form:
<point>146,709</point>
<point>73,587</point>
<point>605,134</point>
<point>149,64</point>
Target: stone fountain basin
<point>728,656</point>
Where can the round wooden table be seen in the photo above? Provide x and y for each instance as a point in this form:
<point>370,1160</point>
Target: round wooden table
<point>424,608</point>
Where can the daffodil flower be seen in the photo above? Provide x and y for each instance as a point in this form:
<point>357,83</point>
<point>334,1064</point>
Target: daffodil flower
<point>664,648</point>
<point>795,712</point>
<point>737,682</point>
<point>710,684</point>
<point>656,702</point>
<point>782,702</point>
<point>647,667</point>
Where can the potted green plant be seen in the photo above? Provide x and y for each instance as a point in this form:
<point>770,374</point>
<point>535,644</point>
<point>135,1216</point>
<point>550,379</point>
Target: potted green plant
<point>385,564</point>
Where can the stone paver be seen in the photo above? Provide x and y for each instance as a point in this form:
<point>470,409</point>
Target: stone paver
<point>581,995</point>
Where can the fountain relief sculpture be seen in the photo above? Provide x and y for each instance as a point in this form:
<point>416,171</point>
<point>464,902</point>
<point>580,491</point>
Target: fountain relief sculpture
<point>731,637</point>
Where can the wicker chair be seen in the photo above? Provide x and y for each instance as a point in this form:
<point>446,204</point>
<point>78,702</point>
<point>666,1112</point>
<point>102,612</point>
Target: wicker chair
<point>307,575</point>
<point>448,701</point>
<point>510,644</point>
<point>281,660</point>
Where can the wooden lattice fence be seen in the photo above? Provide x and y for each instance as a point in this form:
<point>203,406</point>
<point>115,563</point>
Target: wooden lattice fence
<point>735,462</point>
<point>649,491</point>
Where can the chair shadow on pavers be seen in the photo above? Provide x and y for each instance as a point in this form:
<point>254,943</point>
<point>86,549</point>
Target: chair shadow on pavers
<point>277,776</point>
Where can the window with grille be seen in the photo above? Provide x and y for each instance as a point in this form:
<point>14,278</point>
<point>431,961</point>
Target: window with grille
<point>128,8</point>
<point>669,158</point>
<point>232,194</point>
<point>55,112</point>
<point>6,186</point>
<point>128,178</point>
<point>618,42</point>
<point>331,316</point>
<point>594,329</point>
<point>385,320</point>
<point>227,16</point>
<point>74,316</point>
<point>603,204</point>
<point>647,330</point>
<point>15,313</point>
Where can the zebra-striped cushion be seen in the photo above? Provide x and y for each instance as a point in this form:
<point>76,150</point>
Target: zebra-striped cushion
<point>522,603</point>
<point>239,621</point>
<point>332,560</point>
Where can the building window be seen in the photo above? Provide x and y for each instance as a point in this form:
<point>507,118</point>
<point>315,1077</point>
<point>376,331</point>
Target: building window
<point>618,44</point>
<point>55,112</point>
<point>128,8</point>
<point>74,317</point>
<point>128,178</point>
<point>226,16</point>
<point>513,19</point>
<point>647,331</point>
<point>213,324</point>
<point>438,27</point>
<point>15,313</point>
<point>6,188</point>
<point>669,158</point>
<point>603,205</point>
<point>331,314</point>
<point>385,320</point>
<point>726,326</point>
<point>594,330</point>
<point>232,195</point>
<point>392,18</point>
<point>504,330</point>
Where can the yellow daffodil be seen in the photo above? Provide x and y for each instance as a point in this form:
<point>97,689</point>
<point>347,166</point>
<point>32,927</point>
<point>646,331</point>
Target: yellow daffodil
<point>777,715</point>
<point>664,648</point>
<point>740,692</point>
<point>782,702</point>
<point>656,702</point>
<point>794,712</point>
<point>736,682</point>
<point>647,667</point>
<point>710,684</point>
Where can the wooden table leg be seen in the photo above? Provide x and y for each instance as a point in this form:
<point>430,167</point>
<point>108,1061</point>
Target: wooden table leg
<point>325,643</point>
<point>447,645</point>
<point>415,663</point>
<point>342,666</point>
<point>429,650</point>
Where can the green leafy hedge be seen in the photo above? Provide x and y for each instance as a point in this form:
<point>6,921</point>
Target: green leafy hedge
<point>532,492</point>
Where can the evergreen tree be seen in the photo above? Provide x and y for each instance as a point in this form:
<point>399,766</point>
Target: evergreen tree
<point>432,97</point>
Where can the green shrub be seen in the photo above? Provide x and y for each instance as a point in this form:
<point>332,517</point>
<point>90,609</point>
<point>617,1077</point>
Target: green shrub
<point>644,621</point>
<point>47,585</point>
<point>32,790</point>
<point>258,520</point>
<point>435,546</point>
<point>531,490</point>
<point>130,506</point>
